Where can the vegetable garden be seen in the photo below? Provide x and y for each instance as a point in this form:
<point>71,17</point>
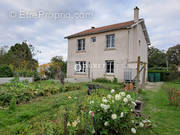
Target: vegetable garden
<point>46,107</point>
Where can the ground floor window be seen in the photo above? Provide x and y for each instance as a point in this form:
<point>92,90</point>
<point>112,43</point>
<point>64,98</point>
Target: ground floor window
<point>109,66</point>
<point>80,66</point>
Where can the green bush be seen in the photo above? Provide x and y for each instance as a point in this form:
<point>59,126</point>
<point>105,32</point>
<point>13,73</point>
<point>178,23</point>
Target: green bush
<point>115,80</point>
<point>113,114</point>
<point>5,71</point>
<point>102,80</point>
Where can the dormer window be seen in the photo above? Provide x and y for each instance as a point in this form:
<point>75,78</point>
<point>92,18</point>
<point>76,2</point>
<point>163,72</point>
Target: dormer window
<point>110,41</point>
<point>81,44</point>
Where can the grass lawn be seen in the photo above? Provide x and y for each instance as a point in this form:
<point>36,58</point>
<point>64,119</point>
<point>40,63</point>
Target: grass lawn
<point>43,115</point>
<point>166,118</point>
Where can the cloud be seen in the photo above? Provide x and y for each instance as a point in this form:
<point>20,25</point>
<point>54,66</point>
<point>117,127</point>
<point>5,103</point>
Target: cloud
<point>47,35</point>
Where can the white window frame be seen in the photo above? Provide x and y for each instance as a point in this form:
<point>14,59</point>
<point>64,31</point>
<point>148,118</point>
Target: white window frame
<point>110,41</point>
<point>81,44</point>
<point>111,66</point>
<point>80,66</point>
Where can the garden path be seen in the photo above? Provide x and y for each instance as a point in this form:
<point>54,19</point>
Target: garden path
<point>153,86</point>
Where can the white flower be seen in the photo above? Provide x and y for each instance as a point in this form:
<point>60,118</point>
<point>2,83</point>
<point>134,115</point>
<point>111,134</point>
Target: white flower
<point>91,102</point>
<point>122,114</point>
<point>125,100</point>
<point>93,131</point>
<point>146,121</point>
<point>112,101</point>
<point>90,112</point>
<point>131,110</point>
<point>68,124</point>
<point>117,97</point>
<point>128,96</point>
<point>141,124</point>
<point>105,107</point>
<point>114,116</point>
<point>69,97</point>
<point>104,100</point>
<point>112,91</point>
<point>122,93</point>
<point>75,97</point>
<point>133,103</point>
<point>102,105</point>
<point>149,121</point>
<point>109,96</point>
<point>132,121</point>
<point>106,123</point>
<point>74,124</point>
<point>133,130</point>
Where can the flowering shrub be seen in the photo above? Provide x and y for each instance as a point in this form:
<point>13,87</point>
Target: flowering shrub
<point>114,113</point>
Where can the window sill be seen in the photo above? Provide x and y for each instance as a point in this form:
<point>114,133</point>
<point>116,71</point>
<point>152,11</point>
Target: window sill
<point>108,49</point>
<point>109,74</point>
<point>81,51</point>
<point>80,73</point>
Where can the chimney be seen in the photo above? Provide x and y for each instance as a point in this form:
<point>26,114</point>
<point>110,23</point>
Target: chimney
<point>136,14</point>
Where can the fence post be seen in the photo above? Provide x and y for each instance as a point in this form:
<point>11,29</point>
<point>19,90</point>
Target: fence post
<point>137,79</point>
<point>144,76</point>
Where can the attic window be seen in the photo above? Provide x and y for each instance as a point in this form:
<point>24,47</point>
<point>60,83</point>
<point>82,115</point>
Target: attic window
<point>93,39</point>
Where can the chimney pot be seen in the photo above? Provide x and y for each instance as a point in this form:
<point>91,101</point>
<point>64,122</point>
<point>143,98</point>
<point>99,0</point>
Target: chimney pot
<point>136,14</point>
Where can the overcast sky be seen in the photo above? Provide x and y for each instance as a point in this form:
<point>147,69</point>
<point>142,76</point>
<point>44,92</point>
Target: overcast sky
<point>45,23</point>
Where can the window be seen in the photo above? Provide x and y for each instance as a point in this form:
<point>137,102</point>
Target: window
<point>110,41</point>
<point>93,39</point>
<point>81,44</point>
<point>80,66</point>
<point>109,66</point>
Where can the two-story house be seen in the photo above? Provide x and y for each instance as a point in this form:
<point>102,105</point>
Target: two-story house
<point>107,51</point>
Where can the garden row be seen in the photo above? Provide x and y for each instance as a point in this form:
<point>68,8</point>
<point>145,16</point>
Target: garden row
<point>74,113</point>
<point>24,91</point>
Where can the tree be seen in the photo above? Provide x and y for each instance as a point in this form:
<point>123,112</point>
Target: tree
<point>21,56</point>
<point>173,54</point>
<point>57,66</point>
<point>156,57</point>
<point>5,71</point>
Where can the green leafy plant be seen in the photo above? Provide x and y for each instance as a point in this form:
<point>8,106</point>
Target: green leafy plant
<point>102,80</point>
<point>113,113</point>
<point>12,106</point>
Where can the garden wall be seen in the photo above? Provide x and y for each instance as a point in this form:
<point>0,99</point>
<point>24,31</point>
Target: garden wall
<point>7,79</point>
